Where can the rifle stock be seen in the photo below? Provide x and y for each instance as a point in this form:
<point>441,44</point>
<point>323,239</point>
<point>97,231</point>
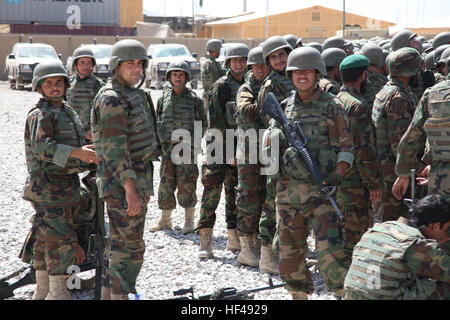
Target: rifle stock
<point>296,139</point>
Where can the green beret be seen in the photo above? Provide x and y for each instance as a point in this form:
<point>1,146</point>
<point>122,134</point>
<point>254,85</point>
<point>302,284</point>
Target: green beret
<point>354,61</point>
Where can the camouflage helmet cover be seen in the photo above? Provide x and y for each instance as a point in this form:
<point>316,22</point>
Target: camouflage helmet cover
<point>374,52</point>
<point>180,66</point>
<point>48,69</point>
<point>405,62</point>
<point>126,50</point>
<point>305,58</point>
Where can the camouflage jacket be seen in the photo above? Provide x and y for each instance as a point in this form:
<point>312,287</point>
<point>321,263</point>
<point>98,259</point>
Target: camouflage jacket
<point>329,85</point>
<point>179,112</point>
<point>277,83</point>
<point>425,79</point>
<point>392,112</point>
<point>394,261</point>
<point>123,124</point>
<point>326,127</point>
<point>375,81</point>
<point>438,77</point>
<point>51,134</point>
<point>211,72</point>
<point>366,171</point>
<point>414,139</point>
<point>80,94</point>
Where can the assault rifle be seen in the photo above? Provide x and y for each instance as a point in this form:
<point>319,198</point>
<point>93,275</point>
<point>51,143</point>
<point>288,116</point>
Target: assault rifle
<point>229,293</point>
<point>94,252</point>
<point>296,139</point>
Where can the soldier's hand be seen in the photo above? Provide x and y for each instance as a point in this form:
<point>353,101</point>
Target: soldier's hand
<point>89,135</point>
<point>425,172</point>
<point>422,181</point>
<point>133,200</point>
<point>85,153</point>
<point>399,187</point>
<point>376,195</point>
<point>80,255</point>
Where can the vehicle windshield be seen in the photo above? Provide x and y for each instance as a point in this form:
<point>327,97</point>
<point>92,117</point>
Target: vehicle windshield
<point>37,52</point>
<point>163,52</point>
<point>102,52</point>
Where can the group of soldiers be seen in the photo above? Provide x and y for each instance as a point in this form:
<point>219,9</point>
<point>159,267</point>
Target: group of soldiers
<point>357,106</point>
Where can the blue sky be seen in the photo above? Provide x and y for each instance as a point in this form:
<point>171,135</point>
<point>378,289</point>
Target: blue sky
<point>403,12</point>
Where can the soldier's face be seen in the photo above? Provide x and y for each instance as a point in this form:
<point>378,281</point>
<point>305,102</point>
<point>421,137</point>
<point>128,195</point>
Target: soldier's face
<point>237,65</point>
<point>278,60</point>
<point>260,71</point>
<point>84,66</point>
<point>304,80</point>
<point>214,54</point>
<point>53,88</point>
<point>131,71</point>
<point>178,78</point>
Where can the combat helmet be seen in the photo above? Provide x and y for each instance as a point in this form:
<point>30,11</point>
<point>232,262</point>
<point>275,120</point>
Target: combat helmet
<point>273,44</point>
<point>291,39</point>
<point>82,52</point>
<point>213,45</point>
<point>181,66</point>
<point>305,58</point>
<point>441,39</point>
<point>255,56</point>
<point>445,56</point>
<point>126,50</point>
<point>236,50</point>
<point>438,52</point>
<point>316,45</point>
<point>401,39</point>
<point>47,69</point>
<point>374,52</point>
<point>429,61</point>
<point>405,62</point>
<point>332,57</point>
<point>334,42</point>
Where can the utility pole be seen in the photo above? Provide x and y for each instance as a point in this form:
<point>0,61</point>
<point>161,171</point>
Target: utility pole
<point>193,20</point>
<point>343,20</point>
<point>267,19</point>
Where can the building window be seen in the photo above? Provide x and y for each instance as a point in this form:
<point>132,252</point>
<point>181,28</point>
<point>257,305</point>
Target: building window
<point>316,16</point>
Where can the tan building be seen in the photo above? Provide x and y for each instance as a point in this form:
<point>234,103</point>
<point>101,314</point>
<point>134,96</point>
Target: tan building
<point>131,11</point>
<point>312,22</point>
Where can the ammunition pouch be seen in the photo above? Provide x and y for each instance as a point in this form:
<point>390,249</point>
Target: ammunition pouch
<point>293,165</point>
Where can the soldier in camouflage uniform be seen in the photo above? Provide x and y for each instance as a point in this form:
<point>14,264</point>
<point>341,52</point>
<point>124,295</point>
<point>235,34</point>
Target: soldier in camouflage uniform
<point>403,260</point>
<point>438,62</point>
<point>221,109</point>
<point>331,82</point>
<point>211,70</point>
<point>424,79</point>
<point>275,53</point>
<point>376,78</point>
<point>56,152</point>
<point>177,109</point>
<point>123,125</point>
<point>299,205</point>
<point>83,86</point>
<point>431,123</point>
<point>251,189</point>
<point>391,114</point>
<point>362,184</point>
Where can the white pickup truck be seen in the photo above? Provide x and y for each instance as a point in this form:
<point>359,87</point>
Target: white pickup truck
<point>24,57</point>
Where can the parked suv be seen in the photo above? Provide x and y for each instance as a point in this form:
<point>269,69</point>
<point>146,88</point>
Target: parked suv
<point>160,55</point>
<point>24,57</point>
<point>102,54</point>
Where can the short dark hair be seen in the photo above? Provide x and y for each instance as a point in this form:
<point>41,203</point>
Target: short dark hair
<point>431,209</point>
<point>353,74</point>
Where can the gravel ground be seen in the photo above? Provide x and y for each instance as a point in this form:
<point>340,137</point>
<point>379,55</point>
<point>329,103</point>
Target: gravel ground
<point>170,260</point>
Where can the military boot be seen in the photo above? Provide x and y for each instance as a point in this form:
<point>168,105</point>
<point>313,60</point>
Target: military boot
<point>233,244</point>
<point>189,215</point>
<point>42,284</point>
<point>106,293</point>
<point>206,235</point>
<point>299,295</point>
<point>58,288</point>
<point>165,222</point>
<point>268,262</point>
<point>249,254</point>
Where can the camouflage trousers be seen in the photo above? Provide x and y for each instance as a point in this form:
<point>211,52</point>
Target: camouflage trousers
<point>250,196</point>
<point>182,178</point>
<point>126,247</point>
<point>55,237</point>
<point>213,176</point>
<point>355,206</point>
<point>267,222</point>
<point>439,179</point>
<point>294,223</point>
